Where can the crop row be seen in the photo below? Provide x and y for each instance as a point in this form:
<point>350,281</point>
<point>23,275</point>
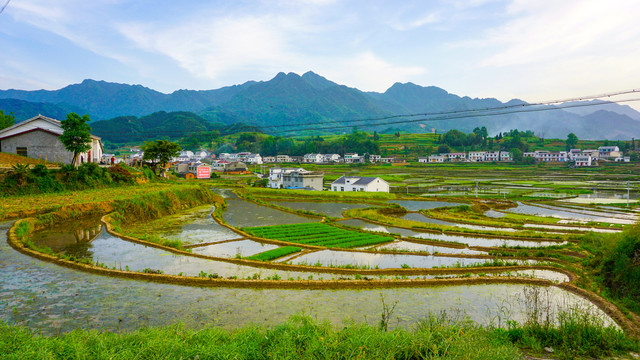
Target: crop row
<point>318,234</point>
<point>274,253</point>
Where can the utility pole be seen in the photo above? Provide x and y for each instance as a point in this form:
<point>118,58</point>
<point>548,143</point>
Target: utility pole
<point>627,193</point>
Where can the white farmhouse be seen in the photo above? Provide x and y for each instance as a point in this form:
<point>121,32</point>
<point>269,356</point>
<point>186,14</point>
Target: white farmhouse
<point>477,156</point>
<point>360,183</point>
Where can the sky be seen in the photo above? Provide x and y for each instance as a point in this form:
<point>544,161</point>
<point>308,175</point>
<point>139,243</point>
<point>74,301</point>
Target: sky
<point>534,50</point>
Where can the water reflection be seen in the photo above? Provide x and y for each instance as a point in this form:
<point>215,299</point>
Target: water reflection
<point>242,213</point>
<point>469,240</point>
<point>52,299</point>
<point>333,209</point>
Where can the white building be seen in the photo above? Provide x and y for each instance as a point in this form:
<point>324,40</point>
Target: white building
<point>353,158</point>
<point>492,156</point>
<point>606,152</point>
<point>374,158</point>
<point>276,175</point>
<point>436,158</point>
<point>582,160</point>
<point>313,158</point>
<point>283,159</point>
<point>423,159</point>
<point>253,159</point>
<point>477,156</point>
<point>331,158</point>
<point>360,183</point>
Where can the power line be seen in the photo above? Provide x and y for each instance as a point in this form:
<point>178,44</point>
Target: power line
<point>454,116</point>
<point>5,5</point>
<point>505,107</point>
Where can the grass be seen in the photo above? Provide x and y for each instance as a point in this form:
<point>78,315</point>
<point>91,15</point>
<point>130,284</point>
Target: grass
<point>317,234</point>
<point>15,206</point>
<point>300,337</point>
<point>440,336</point>
<point>274,253</point>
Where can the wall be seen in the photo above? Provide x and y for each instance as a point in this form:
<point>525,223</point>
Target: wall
<point>40,145</point>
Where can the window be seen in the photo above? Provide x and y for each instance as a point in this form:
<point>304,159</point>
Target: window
<point>341,188</point>
<point>22,151</point>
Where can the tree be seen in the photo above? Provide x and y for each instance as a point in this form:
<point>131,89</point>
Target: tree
<point>572,141</point>
<point>76,136</point>
<point>376,137</point>
<point>6,120</point>
<point>516,155</point>
<point>160,152</point>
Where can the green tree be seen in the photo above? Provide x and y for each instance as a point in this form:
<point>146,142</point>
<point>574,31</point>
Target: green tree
<point>516,155</point>
<point>6,120</point>
<point>160,152</point>
<point>76,136</point>
<point>572,141</point>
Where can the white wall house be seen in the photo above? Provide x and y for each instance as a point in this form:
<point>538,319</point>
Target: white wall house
<point>283,158</point>
<point>582,160</point>
<point>313,158</point>
<point>360,183</point>
<point>605,152</point>
<point>332,158</point>
<point>253,159</point>
<point>276,175</point>
<point>476,156</point>
<point>436,158</point>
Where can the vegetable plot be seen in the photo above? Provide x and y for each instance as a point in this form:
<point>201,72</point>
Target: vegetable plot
<point>317,234</point>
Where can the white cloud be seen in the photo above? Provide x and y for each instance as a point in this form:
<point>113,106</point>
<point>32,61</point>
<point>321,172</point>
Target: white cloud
<point>368,72</point>
<point>556,30</point>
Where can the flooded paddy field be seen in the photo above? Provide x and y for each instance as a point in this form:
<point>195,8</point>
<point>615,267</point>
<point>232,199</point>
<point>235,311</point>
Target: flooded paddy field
<point>332,258</point>
<point>236,248</point>
<point>581,215</point>
<point>332,209</point>
<point>54,299</point>
<point>51,299</point>
<point>467,240</point>
<point>416,205</point>
<point>243,213</point>
<point>194,226</point>
<point>421,218</point>
<point>432,249</point>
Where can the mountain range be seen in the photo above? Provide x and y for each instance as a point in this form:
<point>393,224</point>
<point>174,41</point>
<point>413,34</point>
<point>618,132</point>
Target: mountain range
<point>290,103</point>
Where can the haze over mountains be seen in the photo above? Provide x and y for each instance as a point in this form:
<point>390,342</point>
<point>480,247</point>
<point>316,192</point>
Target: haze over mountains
<point>290,102</point>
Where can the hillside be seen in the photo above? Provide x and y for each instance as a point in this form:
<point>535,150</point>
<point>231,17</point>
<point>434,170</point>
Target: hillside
<point>312,101</point>
<point>160,125</point>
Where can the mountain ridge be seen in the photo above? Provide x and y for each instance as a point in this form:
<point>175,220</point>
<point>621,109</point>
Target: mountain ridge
<point>289,99</point>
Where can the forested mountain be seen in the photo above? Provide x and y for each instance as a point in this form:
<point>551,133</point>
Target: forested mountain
<point>293,102</point>
<point>162,125</point>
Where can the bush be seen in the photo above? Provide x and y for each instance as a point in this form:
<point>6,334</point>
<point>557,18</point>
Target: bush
<point>120,174</point>
<point>621,268</point>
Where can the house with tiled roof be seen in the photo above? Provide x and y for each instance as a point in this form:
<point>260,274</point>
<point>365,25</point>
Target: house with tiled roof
<point>360,183</point>
<point>39,137</point>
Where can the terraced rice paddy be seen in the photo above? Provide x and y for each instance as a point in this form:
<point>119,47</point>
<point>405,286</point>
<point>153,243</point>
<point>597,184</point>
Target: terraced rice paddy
<point>318,234</point>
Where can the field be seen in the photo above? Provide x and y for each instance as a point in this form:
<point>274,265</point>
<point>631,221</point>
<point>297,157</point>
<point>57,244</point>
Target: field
<point>317,234</point>
<point>275,253</point>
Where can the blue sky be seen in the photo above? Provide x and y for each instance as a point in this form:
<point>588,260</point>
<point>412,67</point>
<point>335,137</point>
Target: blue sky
<point>529,49</point>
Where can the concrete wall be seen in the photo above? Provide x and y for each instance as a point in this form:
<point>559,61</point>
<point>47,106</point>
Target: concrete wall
<point>40,145</point>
